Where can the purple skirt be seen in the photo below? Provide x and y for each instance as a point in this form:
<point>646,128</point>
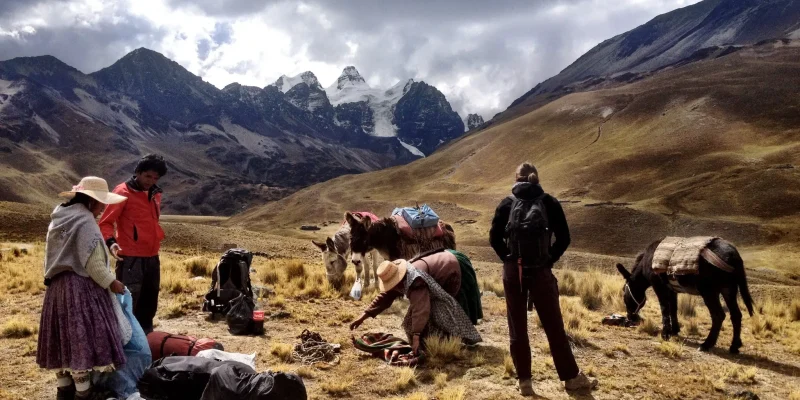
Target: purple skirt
<point>78,330</point>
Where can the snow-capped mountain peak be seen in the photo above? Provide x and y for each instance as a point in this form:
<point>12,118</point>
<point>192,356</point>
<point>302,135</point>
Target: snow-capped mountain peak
<point>350,77</point>
<point>285,83</point>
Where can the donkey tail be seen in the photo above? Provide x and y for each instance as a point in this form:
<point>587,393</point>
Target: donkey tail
<point>742,277</point>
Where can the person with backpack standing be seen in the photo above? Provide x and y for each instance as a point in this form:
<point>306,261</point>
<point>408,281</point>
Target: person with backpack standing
<point>521,235</point>
<point>133,235</point>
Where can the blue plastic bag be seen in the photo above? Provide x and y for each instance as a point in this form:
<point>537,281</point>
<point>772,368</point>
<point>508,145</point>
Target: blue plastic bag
<point>418,217</point>
<point>137,354</point>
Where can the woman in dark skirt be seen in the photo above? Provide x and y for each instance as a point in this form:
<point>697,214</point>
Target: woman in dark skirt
<point>79,331</point>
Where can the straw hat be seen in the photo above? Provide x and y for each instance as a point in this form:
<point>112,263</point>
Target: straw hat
<point>391,273</point>
<point>96,188</point>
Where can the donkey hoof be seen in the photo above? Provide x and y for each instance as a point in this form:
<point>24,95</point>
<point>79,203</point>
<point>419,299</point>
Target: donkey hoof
<point>665,335</point>
<point>734,350</point>
<point>704,348</point>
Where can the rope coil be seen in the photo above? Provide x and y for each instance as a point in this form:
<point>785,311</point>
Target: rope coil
<point>313,349</point>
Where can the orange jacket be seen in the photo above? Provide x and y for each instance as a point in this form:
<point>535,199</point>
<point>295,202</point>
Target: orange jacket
<point>133,224</point>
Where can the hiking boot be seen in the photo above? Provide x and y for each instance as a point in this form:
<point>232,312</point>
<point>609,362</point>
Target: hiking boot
<point>66,393</point>
<point>526,388</point>
<point>581,382</point>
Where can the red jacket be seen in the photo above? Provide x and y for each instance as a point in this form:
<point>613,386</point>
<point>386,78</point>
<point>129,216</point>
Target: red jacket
<point>133,224</point>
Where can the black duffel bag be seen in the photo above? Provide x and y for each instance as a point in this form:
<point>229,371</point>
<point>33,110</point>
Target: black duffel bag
<point>240,382</point>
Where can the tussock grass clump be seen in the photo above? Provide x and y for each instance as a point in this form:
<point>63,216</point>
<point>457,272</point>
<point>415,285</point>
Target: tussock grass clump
<point>687,305</point>
<point>295,269</point>
<point>574,314</point>
<point>305,373</point>
<point>494,285</point>
<point>508,366</point>
<point>739,375</point>
<point>453,393</point>
<point>692,327</point>
<point>22,275</point>
<point>649,327</point>
<point>442,351</point>
<point>17,329</point>
<point>269,277</point>
<point>416,396</point>
<point>440,380</point>
<point>597,291</point>
<point>670,349</point>
<point>198,266</point>
<point>405,378</point>
<point>337,387</point>
<point>794,311</point>
<point>281,351</point>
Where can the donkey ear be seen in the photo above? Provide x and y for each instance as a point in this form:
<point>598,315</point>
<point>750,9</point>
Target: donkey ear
<point>322,246</point>
<point>623,271</point>
<point>330,244</point>
<point>351,219</point>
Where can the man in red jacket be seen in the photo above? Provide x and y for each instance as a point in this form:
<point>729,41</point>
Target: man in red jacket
<point>133,235</point>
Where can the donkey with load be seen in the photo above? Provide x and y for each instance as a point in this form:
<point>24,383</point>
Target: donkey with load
<point>700,266</point>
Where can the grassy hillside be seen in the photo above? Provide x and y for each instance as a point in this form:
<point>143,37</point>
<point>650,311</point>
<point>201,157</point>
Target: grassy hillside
<point>706,148</point>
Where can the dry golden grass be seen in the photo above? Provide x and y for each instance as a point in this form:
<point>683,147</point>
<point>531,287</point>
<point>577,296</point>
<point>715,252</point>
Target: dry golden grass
<point>16,329</point>
<point>295,269</point>
<point>649,327</point>
<point>305,372</point>
<point>198,266</point>
<point>618,348</point>
<point>508,366</point>
<point>794,395</point>
<point>405,378</point>
<point>598,291</point>
<point>574,315</point>
<point>687,305</point>
<point>282,351</point>
<point>739,375</point>
<point>442,351</point>
<point>440,380</point>
<point>670,349</point>
<point>692,328</point>
<point>337,387</point>
<point>453,393</point>
<point>22,272</point>
<point>416,396</point>
<point>494,285</point>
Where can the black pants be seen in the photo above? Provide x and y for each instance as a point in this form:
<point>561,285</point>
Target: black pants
<point>142,276</point>
<point>543,289</point>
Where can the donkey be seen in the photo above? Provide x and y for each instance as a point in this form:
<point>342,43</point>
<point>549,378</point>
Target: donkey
<point>708,283</point>
<point>335,253</point>
<point>385,237</point>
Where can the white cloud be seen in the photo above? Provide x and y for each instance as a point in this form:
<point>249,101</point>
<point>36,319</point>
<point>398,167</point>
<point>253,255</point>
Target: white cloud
<point>482,55</point>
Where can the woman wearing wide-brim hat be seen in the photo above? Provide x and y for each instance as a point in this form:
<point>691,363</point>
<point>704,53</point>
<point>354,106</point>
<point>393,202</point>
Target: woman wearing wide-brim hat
<point>430,284</point>
<point>79,331</point>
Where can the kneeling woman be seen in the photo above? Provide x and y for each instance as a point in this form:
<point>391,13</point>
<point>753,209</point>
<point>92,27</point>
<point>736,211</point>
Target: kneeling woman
<point>79,331</point>
<point>431,285</point>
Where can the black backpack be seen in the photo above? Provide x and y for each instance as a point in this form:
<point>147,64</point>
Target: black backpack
<point>230,279</point>
<point>528,232</point>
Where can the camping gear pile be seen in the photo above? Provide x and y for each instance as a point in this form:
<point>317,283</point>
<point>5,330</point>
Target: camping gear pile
<point>313,349</point>
<point>231,294</point>
<point>392,349</point>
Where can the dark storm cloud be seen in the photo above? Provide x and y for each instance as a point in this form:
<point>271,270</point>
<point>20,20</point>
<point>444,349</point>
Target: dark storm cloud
<point>86,48</point>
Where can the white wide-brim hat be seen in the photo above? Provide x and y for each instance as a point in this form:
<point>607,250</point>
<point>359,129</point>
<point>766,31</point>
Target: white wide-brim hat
<point>390,273</point>
<point>96,188</point>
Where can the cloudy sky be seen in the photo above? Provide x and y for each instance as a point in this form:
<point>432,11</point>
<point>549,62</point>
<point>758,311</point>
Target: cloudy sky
<point>481,54</point>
